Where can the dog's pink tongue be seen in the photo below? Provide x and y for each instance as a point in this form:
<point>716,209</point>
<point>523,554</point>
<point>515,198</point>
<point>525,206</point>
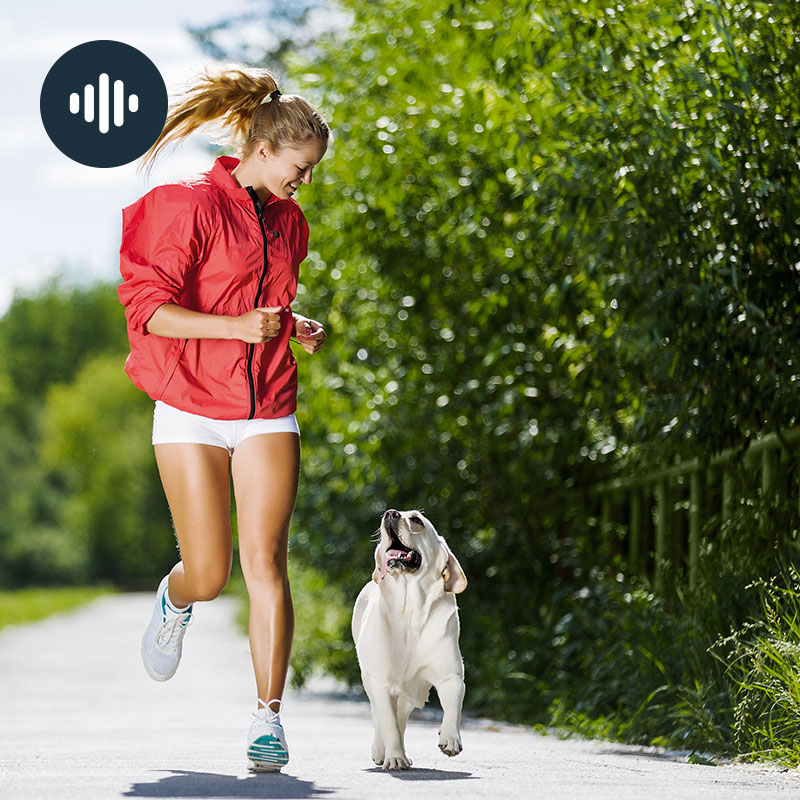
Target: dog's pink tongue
<point>391,554</point>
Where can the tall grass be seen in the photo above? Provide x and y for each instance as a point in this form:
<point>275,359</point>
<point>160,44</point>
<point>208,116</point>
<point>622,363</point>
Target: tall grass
<point>763,661</point>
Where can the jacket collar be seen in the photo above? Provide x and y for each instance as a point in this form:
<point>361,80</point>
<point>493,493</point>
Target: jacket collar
<point>220,174</point>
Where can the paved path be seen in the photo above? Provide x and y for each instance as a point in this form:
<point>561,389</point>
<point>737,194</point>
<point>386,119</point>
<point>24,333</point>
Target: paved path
<point>79,718</point>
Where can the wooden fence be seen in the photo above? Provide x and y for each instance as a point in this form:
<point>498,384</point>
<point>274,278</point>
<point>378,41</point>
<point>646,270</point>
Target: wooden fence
<point>661,514</point>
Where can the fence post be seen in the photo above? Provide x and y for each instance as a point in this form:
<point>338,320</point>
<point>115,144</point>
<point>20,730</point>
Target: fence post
<point>727,494</point>
<point>605,518</point>
<point>767,473</point>
<point>662,525</point>
<point>635,553</point>
<point>782,482</point>
<point>695,523</point>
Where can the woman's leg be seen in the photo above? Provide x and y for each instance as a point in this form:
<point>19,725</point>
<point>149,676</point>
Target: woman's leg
<point>196,482</point>
<point>265,471</point>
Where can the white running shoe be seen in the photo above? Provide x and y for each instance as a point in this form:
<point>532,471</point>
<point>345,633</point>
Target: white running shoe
<point>162,642</point>
<point>266,741</point>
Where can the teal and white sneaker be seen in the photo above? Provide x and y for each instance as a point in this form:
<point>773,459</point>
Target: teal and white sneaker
<point>266,741</point>
<point>162,642</point>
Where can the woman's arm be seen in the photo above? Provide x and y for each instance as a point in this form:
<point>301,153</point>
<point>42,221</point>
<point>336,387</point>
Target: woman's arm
<point>176,322</point>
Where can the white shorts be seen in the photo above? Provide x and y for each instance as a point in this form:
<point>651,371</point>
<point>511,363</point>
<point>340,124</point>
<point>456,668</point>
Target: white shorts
<point>172,426</point>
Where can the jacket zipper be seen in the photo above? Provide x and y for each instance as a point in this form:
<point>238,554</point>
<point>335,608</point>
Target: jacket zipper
<point>251,348</point>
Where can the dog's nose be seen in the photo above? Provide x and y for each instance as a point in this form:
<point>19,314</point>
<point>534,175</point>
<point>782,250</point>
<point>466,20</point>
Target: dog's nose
<point>391,514</point>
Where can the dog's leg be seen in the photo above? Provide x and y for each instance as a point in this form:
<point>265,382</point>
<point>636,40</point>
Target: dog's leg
<point>451,696</point>
<point>378,750</point>
<point>404,709</point>
<point>384,715</point>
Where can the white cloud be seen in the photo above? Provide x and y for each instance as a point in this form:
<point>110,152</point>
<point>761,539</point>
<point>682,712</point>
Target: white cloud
<point>26,278</point>
<point>61,173</point>
<point>248,40</point>
<point>21,136</point>
<point>24,45</point>
<point>329,18</point>
<point>187,159</point>
<point>64,173</point>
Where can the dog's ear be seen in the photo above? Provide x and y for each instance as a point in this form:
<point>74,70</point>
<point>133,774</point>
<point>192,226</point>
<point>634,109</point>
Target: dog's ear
<point>455,580</point>
<point>376,573</point>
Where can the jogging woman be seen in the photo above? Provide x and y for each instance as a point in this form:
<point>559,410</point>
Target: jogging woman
<point>210,268</point>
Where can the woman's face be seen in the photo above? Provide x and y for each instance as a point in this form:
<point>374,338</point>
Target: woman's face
<point>282,172</point>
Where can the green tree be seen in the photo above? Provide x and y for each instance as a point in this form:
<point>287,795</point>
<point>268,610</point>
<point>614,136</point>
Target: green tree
<point>44,339</point>
<point>96,443</point>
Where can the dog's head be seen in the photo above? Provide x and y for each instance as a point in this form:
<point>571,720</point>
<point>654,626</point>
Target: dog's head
<point>409,543</point>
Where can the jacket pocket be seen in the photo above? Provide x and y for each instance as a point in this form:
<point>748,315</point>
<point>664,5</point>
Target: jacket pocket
<point>171,366</point>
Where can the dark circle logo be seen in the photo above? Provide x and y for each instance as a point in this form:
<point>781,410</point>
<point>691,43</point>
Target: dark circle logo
<point>103,103</point>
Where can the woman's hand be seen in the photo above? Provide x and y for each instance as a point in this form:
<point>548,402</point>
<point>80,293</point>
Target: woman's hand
<point>259,325</point>
<point>309,333</point>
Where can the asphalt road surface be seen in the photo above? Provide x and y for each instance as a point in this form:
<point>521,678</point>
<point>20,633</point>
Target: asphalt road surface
<point>79,718</point>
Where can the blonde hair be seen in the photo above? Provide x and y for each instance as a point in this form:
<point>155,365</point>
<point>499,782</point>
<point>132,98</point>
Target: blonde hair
<point>236,95</point>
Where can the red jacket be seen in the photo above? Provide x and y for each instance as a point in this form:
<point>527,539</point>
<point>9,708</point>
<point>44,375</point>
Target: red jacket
<point>201,244</point>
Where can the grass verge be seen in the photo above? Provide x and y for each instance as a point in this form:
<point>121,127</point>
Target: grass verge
<point>29,605</point>
<point>763,661</point>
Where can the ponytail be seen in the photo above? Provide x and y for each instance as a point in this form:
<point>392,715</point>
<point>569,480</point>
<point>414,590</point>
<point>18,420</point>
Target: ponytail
<point>249,106</point>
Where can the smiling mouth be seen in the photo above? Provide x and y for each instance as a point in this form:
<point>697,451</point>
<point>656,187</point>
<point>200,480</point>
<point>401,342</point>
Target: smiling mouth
<point>398,555</point>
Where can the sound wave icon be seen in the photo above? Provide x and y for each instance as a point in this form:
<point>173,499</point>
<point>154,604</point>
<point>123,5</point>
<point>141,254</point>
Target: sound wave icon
<point>103,103</point>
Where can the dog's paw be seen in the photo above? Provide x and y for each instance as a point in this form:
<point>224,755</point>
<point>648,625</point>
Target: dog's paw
<point>378,754</point>
<point>450,744</point>
<point>397,762</point>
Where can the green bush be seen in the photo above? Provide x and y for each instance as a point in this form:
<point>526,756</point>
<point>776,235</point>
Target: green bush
<point>551,242</point>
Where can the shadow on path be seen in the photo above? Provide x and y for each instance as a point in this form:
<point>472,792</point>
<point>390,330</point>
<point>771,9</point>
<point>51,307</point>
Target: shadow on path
<point>180,783</point>
<point>668,755</point>
<point>419,774</point>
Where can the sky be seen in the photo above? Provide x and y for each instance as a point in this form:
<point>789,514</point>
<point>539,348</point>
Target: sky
<point>58,216</point>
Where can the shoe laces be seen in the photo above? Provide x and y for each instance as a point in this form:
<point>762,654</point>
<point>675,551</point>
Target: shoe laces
<point>169,634</point>
<point>267,714</point>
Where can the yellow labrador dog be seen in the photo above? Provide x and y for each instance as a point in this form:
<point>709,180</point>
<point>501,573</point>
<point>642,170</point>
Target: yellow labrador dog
<point>405,626</point>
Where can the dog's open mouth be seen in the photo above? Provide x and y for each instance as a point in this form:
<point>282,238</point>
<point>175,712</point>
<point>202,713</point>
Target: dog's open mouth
<point>398,555</point>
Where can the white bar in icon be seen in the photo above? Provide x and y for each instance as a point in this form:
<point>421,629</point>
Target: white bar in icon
<point>88,102</point>
<point>103,101</point>
<point>119,103</point>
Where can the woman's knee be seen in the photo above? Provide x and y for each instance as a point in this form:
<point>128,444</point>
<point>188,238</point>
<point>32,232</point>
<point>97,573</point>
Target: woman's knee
<point>206,584</point>
<point>265,566</point>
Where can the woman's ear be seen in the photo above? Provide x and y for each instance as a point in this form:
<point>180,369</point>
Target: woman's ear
<point>262,151</point>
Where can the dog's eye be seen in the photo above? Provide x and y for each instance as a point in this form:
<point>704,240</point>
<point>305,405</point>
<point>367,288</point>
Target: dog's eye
<point>416,520</point>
